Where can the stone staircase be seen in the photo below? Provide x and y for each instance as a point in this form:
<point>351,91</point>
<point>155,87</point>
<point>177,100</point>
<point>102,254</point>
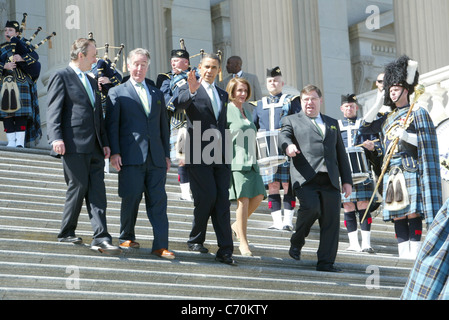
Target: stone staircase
<point>34,266</point>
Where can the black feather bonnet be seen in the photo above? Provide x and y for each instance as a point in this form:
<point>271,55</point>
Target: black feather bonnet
<point>402,72</point>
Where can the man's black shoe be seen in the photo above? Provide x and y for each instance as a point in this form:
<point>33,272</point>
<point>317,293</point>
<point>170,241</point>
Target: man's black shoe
<point>227,259</point>
<point>328,268</point>
<point>198,247</point>
<point>71,239</point>
<point>107,248</point>
<point>295,253</point>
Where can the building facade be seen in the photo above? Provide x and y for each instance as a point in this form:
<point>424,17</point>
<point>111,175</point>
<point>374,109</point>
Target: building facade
<point>338,45</point>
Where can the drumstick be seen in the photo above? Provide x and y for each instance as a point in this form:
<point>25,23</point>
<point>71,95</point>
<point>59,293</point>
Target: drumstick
<point>361,145</point>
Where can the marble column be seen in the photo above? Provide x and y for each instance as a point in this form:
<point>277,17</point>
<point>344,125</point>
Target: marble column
<point>72,19</point>
<point>140,24</point>
<point>263,36</point>
<point>421,32</point>
<point>307,43</point>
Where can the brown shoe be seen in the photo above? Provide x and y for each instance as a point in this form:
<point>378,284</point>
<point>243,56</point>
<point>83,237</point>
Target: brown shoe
<point>129,244</point>
<point>164,253</point>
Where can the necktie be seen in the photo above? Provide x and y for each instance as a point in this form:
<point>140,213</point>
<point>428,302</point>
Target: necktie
<point>214,102</point>
<point>143,97</point>
<point>88,88</point>
<point>319,128</point>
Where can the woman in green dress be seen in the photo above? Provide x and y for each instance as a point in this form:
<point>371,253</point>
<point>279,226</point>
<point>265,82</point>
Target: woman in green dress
<point>246,186</point>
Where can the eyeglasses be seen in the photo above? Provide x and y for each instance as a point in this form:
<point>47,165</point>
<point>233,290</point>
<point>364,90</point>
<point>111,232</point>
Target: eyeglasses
<point>310,99</point>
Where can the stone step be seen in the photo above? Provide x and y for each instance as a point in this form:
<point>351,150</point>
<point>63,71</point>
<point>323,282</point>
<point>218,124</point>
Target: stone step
<point>33,265</point>
<point>250,279</point>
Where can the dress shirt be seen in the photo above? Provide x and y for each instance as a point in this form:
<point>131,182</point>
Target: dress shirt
<point>137,88</point>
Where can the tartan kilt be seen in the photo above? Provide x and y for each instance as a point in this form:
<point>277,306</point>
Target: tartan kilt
<point>361,192</point>
<point>26,101</point>
<point>412,182</point>
<point>173,140</point>
<point>428,279</point>
<point>280,174</point>
<point>30,109</point>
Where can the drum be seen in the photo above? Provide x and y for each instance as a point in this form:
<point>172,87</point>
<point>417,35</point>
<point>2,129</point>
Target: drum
<point>268,150</point>
<point>358,163</point>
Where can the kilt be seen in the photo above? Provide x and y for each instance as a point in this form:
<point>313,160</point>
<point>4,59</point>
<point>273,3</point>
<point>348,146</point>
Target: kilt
<point>360,192</point>
<point>413,189</point>
<point>428,279</point>
<point>280,174</point>
<point>30,109</point>
<point>173,140</point>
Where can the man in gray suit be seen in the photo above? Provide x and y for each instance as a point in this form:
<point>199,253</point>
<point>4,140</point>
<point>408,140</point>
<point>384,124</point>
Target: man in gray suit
<point>138,132</point>
<point>76,131</point>
<point>319,163</point>
<point>234,68</point>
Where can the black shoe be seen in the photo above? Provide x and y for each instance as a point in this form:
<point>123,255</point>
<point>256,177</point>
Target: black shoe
<point>107,248</point>
<point>328,268</point>
<point>369,250</point>
<point>295,253</point>
<point>198,247</point>
<point>71,239</point>
<point>227,259</point>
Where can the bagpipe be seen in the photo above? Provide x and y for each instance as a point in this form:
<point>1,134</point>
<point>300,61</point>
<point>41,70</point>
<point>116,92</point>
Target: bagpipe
<point>106,67</point>
<point>18,45</point>
<point>183,75</point>
<point>24,47</point>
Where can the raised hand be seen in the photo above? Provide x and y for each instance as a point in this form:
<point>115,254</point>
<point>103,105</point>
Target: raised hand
<point>194,84</point>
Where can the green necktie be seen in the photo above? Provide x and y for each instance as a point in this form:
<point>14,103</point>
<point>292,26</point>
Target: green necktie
<point>143,97</point>
<point>214,102</point>
<point>88,88</point>
<point>319,128</point>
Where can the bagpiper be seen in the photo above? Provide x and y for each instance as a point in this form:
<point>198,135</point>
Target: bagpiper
<point>412,181</point>
<point>169,83</point>
<point>20,69</point>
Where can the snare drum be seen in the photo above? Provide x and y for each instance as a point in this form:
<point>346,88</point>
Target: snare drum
<point>358,163</point>
<point>268,150</point>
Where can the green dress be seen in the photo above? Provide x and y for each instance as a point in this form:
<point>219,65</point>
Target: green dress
<point>246,181</point>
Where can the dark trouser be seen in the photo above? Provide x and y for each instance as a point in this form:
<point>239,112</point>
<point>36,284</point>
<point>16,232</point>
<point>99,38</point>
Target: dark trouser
<point>319,200</point>
<point>149,180</point>
<point>84,175</point>
<point>210,190</point>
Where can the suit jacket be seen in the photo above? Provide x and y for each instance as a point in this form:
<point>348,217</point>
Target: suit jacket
<point>71,116</point>
<point>200,112</point>
<point>298,129</point>
<point>256,91</point>
<point>132,133</point>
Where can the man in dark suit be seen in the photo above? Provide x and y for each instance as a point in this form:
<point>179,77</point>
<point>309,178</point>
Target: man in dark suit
<point>206,108</point>
<point>77,133</point>
<point>319,163</point>
<point>138,133</point>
